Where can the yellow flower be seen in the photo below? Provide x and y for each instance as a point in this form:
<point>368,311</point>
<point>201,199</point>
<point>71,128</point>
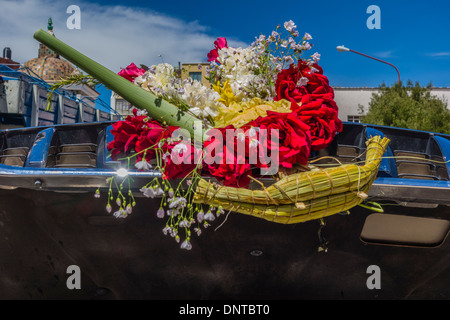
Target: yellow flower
<point>226,93</point>
<point>241,113</point>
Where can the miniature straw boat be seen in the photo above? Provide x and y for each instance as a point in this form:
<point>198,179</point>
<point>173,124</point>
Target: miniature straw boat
<point>302,196</point>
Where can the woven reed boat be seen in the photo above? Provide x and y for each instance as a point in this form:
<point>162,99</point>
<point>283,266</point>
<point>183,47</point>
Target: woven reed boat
<point>304,196</point>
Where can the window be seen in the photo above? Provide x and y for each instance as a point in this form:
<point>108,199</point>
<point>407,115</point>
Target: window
<point>356,119</point>
<point>196,76</point>
<point>122,106</point>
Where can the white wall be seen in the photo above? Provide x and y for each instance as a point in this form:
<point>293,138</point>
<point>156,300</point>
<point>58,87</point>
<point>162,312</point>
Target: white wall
<point>349,99</point>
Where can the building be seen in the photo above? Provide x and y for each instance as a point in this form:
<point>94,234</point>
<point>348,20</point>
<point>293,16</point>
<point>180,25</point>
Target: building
<point>7,61</point>
<point>120,105</point>
<point>353,103</point>
<point>51,68</point>
<point>195,71</point>
<point>24,90</point>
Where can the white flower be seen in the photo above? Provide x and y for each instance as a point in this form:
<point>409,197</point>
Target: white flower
<point>186,245</point>
<point>252,131</point>
<point>209,216</point>
<point>108,208</point>
<point>316,57</point>
<point>120,213</point>
<point>314,70</point>
<point>148,192</point>
<point>178,203</point>
<point>200,216</point>
<point>160,213</point>
<point>141,112</point>
<point>306,46</point>
<point>151,192</point>
<point>240,136</point>
<point>253,143</point>
<point>143,165</point>
<point>166,156</point>
<point>198,231</point>
<point>201,99</point>
<point>158,191</point>
<point>220,210</point>
<point>167,230</point>
<point>159,79</point>
<point>164,72</point>
<point>184,224</point>
<point>307,36</point>
<point>180,148</point>
<point>128,209</point>
<point>303,81</point>
<point>290,25</point>
<point>288,60</point>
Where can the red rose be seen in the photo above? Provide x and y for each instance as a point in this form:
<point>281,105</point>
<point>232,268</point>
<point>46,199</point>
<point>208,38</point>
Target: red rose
<point>286,85</point>
<point>223,159</point>
<point>150,136</point>
<point>294,137</point>
<point>218,44</point>
<point>126,133</point>
<point>323,122</point>
<point>182,159</point>
<point>137,133</point>
<point>312,101</point>
<point>131,72</point>
<point>125,136</point>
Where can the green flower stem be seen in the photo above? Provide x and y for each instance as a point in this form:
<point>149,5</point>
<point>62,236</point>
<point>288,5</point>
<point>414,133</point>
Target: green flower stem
<point>159,109</point>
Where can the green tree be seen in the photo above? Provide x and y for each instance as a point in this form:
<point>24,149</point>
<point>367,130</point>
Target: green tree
<point>410,106</point>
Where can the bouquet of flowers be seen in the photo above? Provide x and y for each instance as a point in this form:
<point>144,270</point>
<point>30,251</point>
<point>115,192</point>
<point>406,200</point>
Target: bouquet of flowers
<point>265,86</point>
<point>266,111</point>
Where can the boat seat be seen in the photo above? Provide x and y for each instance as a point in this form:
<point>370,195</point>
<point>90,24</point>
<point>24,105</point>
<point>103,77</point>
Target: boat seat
<point>14,156</point>
<point>351,151</point>
<point>82,147</point>
<point>13,160</point>
<point>81,155</point>
<point>76,158</point>
<point>415,165</point>
<point>410,155</point>
<point>16,151</point>
<point>412,167</point>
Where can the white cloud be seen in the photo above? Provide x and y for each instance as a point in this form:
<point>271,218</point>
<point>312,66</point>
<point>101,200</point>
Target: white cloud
<point>439,54</point>
<point>384,54</point>
<point>111,35</point>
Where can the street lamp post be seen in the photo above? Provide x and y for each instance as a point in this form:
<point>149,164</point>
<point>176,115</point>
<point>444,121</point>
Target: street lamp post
<point>344,49</point>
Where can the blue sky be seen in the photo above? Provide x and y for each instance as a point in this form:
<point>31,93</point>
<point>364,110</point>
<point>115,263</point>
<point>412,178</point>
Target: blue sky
<point>413,35</point>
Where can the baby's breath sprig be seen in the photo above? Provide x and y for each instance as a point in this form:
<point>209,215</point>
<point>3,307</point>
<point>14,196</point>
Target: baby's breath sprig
<point>176,203</point>
<point>68,81</point>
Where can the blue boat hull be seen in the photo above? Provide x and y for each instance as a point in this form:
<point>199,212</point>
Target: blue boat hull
<point>50,221</point>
